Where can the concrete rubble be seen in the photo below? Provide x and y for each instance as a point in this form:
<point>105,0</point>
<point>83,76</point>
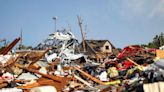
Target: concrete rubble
<point>56,65</point>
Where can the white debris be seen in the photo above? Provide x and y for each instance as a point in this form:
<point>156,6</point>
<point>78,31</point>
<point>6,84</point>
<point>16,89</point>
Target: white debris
<point>43,70</point>
<point>8,76</point>
<point>27,76</point>
<point>11,90</point>
<point>51,57</point>
<point>62,36</point>
<point>103,76</point>
<point>44,89</point>
<point>161,48</point>
<point>4,58</point>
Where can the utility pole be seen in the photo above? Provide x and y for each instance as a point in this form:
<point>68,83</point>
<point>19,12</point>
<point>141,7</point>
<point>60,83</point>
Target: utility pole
<point>55,18</point>
<point>21,36</point>
<point>82,33</point>
<point>21,40</point>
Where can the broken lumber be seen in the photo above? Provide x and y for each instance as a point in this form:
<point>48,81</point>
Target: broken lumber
<point>38,58</point>
<point>36,84</point>
<point>57,85</point>
<point>133,62</point>
<point>83,81</point>
<point>55,78</point>
<point>11,61</point>
<point>10,46</point>
<point>139,66</point>
<point>2,81</point>
<point>107,89</point>
<point>57,60</point>
<point>3,85</point>
<point>54,63</point>
<point>90,77</point>
<point>97,80</point>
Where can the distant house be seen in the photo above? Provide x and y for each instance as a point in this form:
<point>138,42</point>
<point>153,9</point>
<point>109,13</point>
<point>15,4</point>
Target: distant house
<point>98,49</point>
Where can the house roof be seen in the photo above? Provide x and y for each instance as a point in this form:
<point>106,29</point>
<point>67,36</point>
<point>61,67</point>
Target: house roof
<point>98,43</point>
<point>94,47</point>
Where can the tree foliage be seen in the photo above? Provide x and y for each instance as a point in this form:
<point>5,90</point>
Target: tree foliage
<point>23,47</point>
<point>157,42</point>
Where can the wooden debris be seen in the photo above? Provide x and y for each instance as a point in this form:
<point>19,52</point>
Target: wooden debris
<point>90,77</point>
<point>57,85</point>
<point>55,78</point>
<point>83,81</point>
<point>10,46</point>
<point>11,61</point>
<point>138,66</point>
<point>57,60</point>
<point>107,89</point>
<point>2,85</point>
<point>39,57</point>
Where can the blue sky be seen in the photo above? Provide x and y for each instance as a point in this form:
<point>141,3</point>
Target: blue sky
<point>123,22</point>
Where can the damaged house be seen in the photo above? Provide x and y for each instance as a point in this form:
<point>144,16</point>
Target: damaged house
<point>98,49</point>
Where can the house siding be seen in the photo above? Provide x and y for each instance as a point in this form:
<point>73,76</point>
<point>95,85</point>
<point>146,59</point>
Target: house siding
<point>104,47</point>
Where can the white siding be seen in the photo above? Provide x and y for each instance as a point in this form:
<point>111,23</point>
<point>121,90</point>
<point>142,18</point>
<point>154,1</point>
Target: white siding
<point>104,47</point>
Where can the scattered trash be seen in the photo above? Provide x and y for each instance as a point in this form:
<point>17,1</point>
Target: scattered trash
<point>56,65</point>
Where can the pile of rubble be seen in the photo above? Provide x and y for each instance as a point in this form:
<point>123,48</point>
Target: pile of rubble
<point>56,66</point>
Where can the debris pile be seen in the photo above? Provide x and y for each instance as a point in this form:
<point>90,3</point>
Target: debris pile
<point>56,65</point>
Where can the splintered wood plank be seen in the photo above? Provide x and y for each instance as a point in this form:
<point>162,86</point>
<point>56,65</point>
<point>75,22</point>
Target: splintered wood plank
<point>47,82</point>
<point>3,85</point>
<point>57,85</point>
<point>11,61</point>
<point>90,77</point>
<point>55,78</point>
